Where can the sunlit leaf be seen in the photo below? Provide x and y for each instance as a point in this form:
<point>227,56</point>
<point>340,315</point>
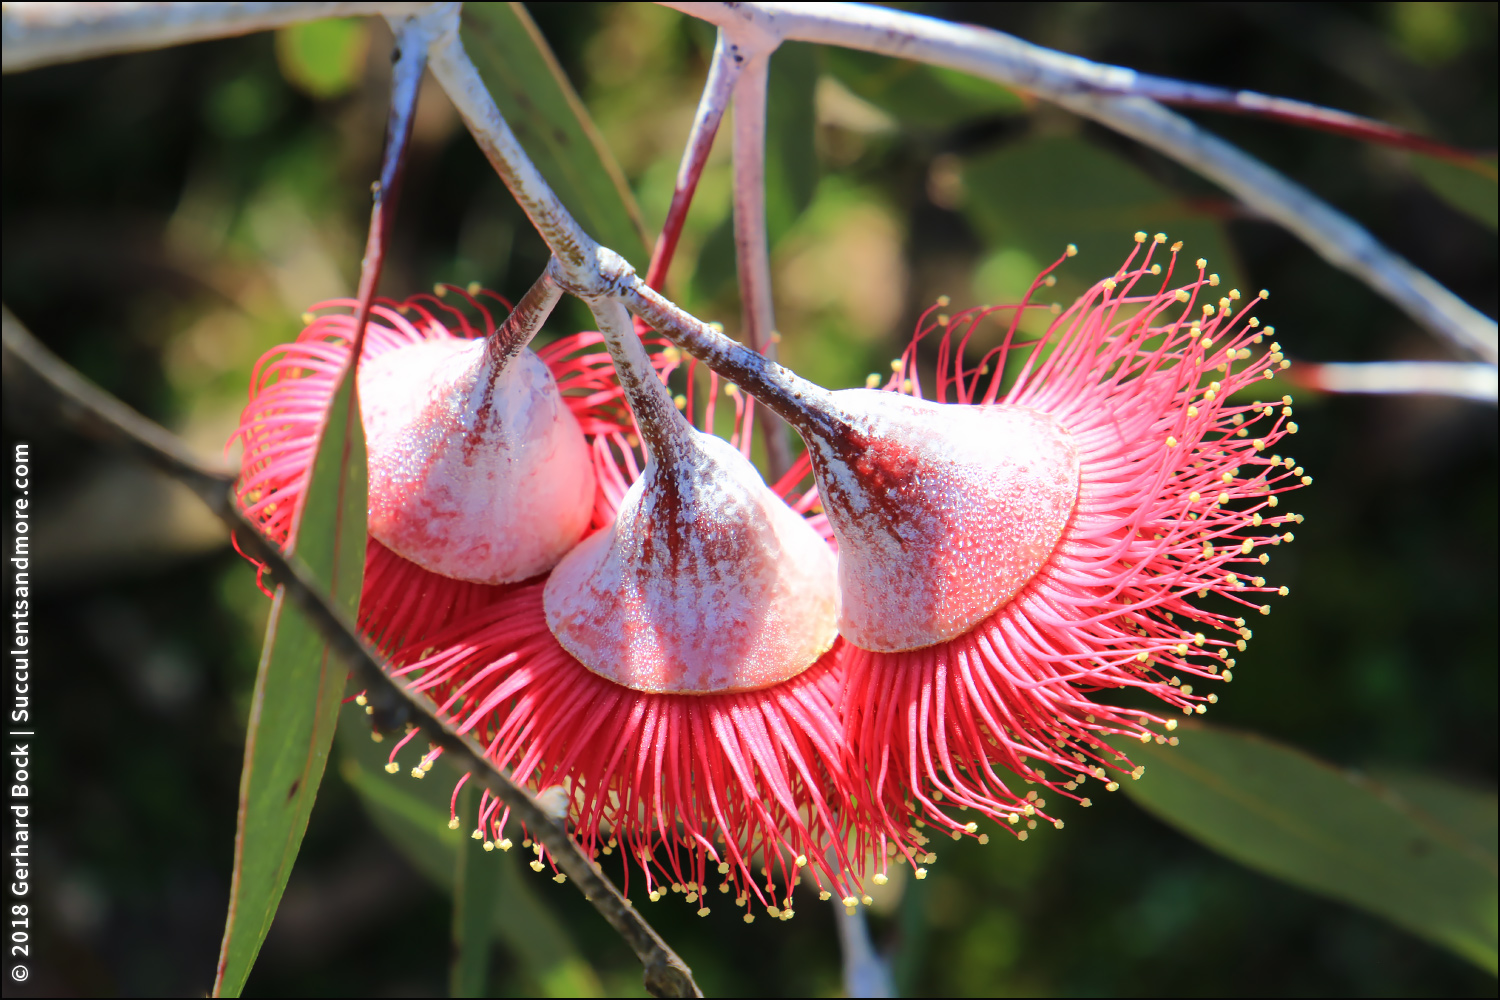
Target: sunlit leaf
<point>541,107</point>
<point>1041,194</point>
<point>1465,190</point>
<point>1410,857</point>
<point>323,58</point>
<point>413,815</point>
<point>298,687</point>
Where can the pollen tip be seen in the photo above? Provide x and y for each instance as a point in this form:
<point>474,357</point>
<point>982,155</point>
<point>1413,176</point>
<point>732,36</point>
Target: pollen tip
<point>474,288</point>
<point>392,767</point>
<point>922,872</point>
<point>1085,802</point>
<point>1071,251</point>
<point>943,301</point>
<point>1140,237</point>
<point>308,319</point>
<point>453,823</point>
<point>1161,237</point>
<point>881,879</point>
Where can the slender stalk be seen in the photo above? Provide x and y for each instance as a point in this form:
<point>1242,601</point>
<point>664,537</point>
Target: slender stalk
<point>1438,378</point>
<point>524,322</point>
<point>752,242</point>
<point>664,430</point>
<point>412,37</point>
<point>43,34</point>
<point>725,69</point>
<point>573,249</point>
<point>865,972</point>
<point>1107,94</point>
<point>83,407</point>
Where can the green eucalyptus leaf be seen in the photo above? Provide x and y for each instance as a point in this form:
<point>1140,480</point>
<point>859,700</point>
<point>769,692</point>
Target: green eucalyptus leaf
<point>413,815</point>
<point>298,687</point>
<point>545,113</point>
<point>1467,191</point>
<point>1422,857</point>
<point>1040,194</point>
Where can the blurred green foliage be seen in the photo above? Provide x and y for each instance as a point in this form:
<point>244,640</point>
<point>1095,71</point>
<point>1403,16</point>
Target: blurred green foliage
<point>168,216</point>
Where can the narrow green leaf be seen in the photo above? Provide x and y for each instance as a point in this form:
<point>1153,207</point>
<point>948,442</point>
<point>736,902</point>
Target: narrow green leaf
<point>413,815</point>
<point>1465,190</point>
<point>1041,194</point>
<point>544,111</point>
<point>1279,811</point>
<point>474,900</point>
<point>298,687</point>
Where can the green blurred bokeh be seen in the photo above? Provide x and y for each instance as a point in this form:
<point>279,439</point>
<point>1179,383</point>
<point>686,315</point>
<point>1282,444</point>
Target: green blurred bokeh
<point>169,215</point>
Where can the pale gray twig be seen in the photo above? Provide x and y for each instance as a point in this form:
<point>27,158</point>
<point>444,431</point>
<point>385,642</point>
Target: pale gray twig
<point>42,34</point>
<point>1468,380</point>
<point>1107,95</point>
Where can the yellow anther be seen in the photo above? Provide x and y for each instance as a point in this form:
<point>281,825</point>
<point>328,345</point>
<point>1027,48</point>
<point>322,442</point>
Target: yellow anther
<point>1072,250</point>
<point>505,844</point>
<point>361,700</point>
<point>1208,310</point>
<point>943,301</point>
<point>897,364</point>
<point>1213,279</point>
<point>679,401</point>
<point>1246,546</point>
<point>1209,395</point>
<point>1271,500</point>
<point>749,918</point>
<point>881,880</point>
<point>392,767</point>
<point>671,355</point>
<point>536,866</point>
<point>801,861</point>
<point>1192,411</point>
<point>1264,558</point>
<point>1171,441</point>
<point>1145,737</point>
<point>1202,263</point>
<point>1181,295</point>
<point>1013,819</point>
<point>1260,444</point>
<point>1143,656</point>
<point>1161,237</point>
<point>1113,786</point>
<point>1109,284</point>
<point>453,823</point>
<point>872,380</point>
<point>1195,496</point>
<point>971,827</point>
<point>477,835</point>
<point>702,911</point>
<point>723,868</point>
<point>1206,342</point>
<point>1171,724</point>
<point>1140,237</point>
<point>1182,649</point>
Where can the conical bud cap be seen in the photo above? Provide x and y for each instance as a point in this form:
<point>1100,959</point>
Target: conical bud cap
<point>476,472</point>
<point>942,512</point>
<point>706,582</point>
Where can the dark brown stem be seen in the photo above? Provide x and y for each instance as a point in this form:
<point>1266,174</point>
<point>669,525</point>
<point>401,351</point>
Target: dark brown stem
<point>88,410</point>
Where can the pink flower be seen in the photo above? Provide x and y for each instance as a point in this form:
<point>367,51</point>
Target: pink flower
<point>416,379</point>
<point>1121,524</point>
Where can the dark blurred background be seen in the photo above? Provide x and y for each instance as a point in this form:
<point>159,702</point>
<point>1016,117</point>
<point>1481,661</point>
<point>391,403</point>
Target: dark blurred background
<point>168,215</point>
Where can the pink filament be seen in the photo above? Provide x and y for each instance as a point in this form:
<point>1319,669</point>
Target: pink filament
<point>1169,503</point>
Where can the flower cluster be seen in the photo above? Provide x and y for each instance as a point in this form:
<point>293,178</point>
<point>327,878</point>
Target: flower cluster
<point>745,684</point>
